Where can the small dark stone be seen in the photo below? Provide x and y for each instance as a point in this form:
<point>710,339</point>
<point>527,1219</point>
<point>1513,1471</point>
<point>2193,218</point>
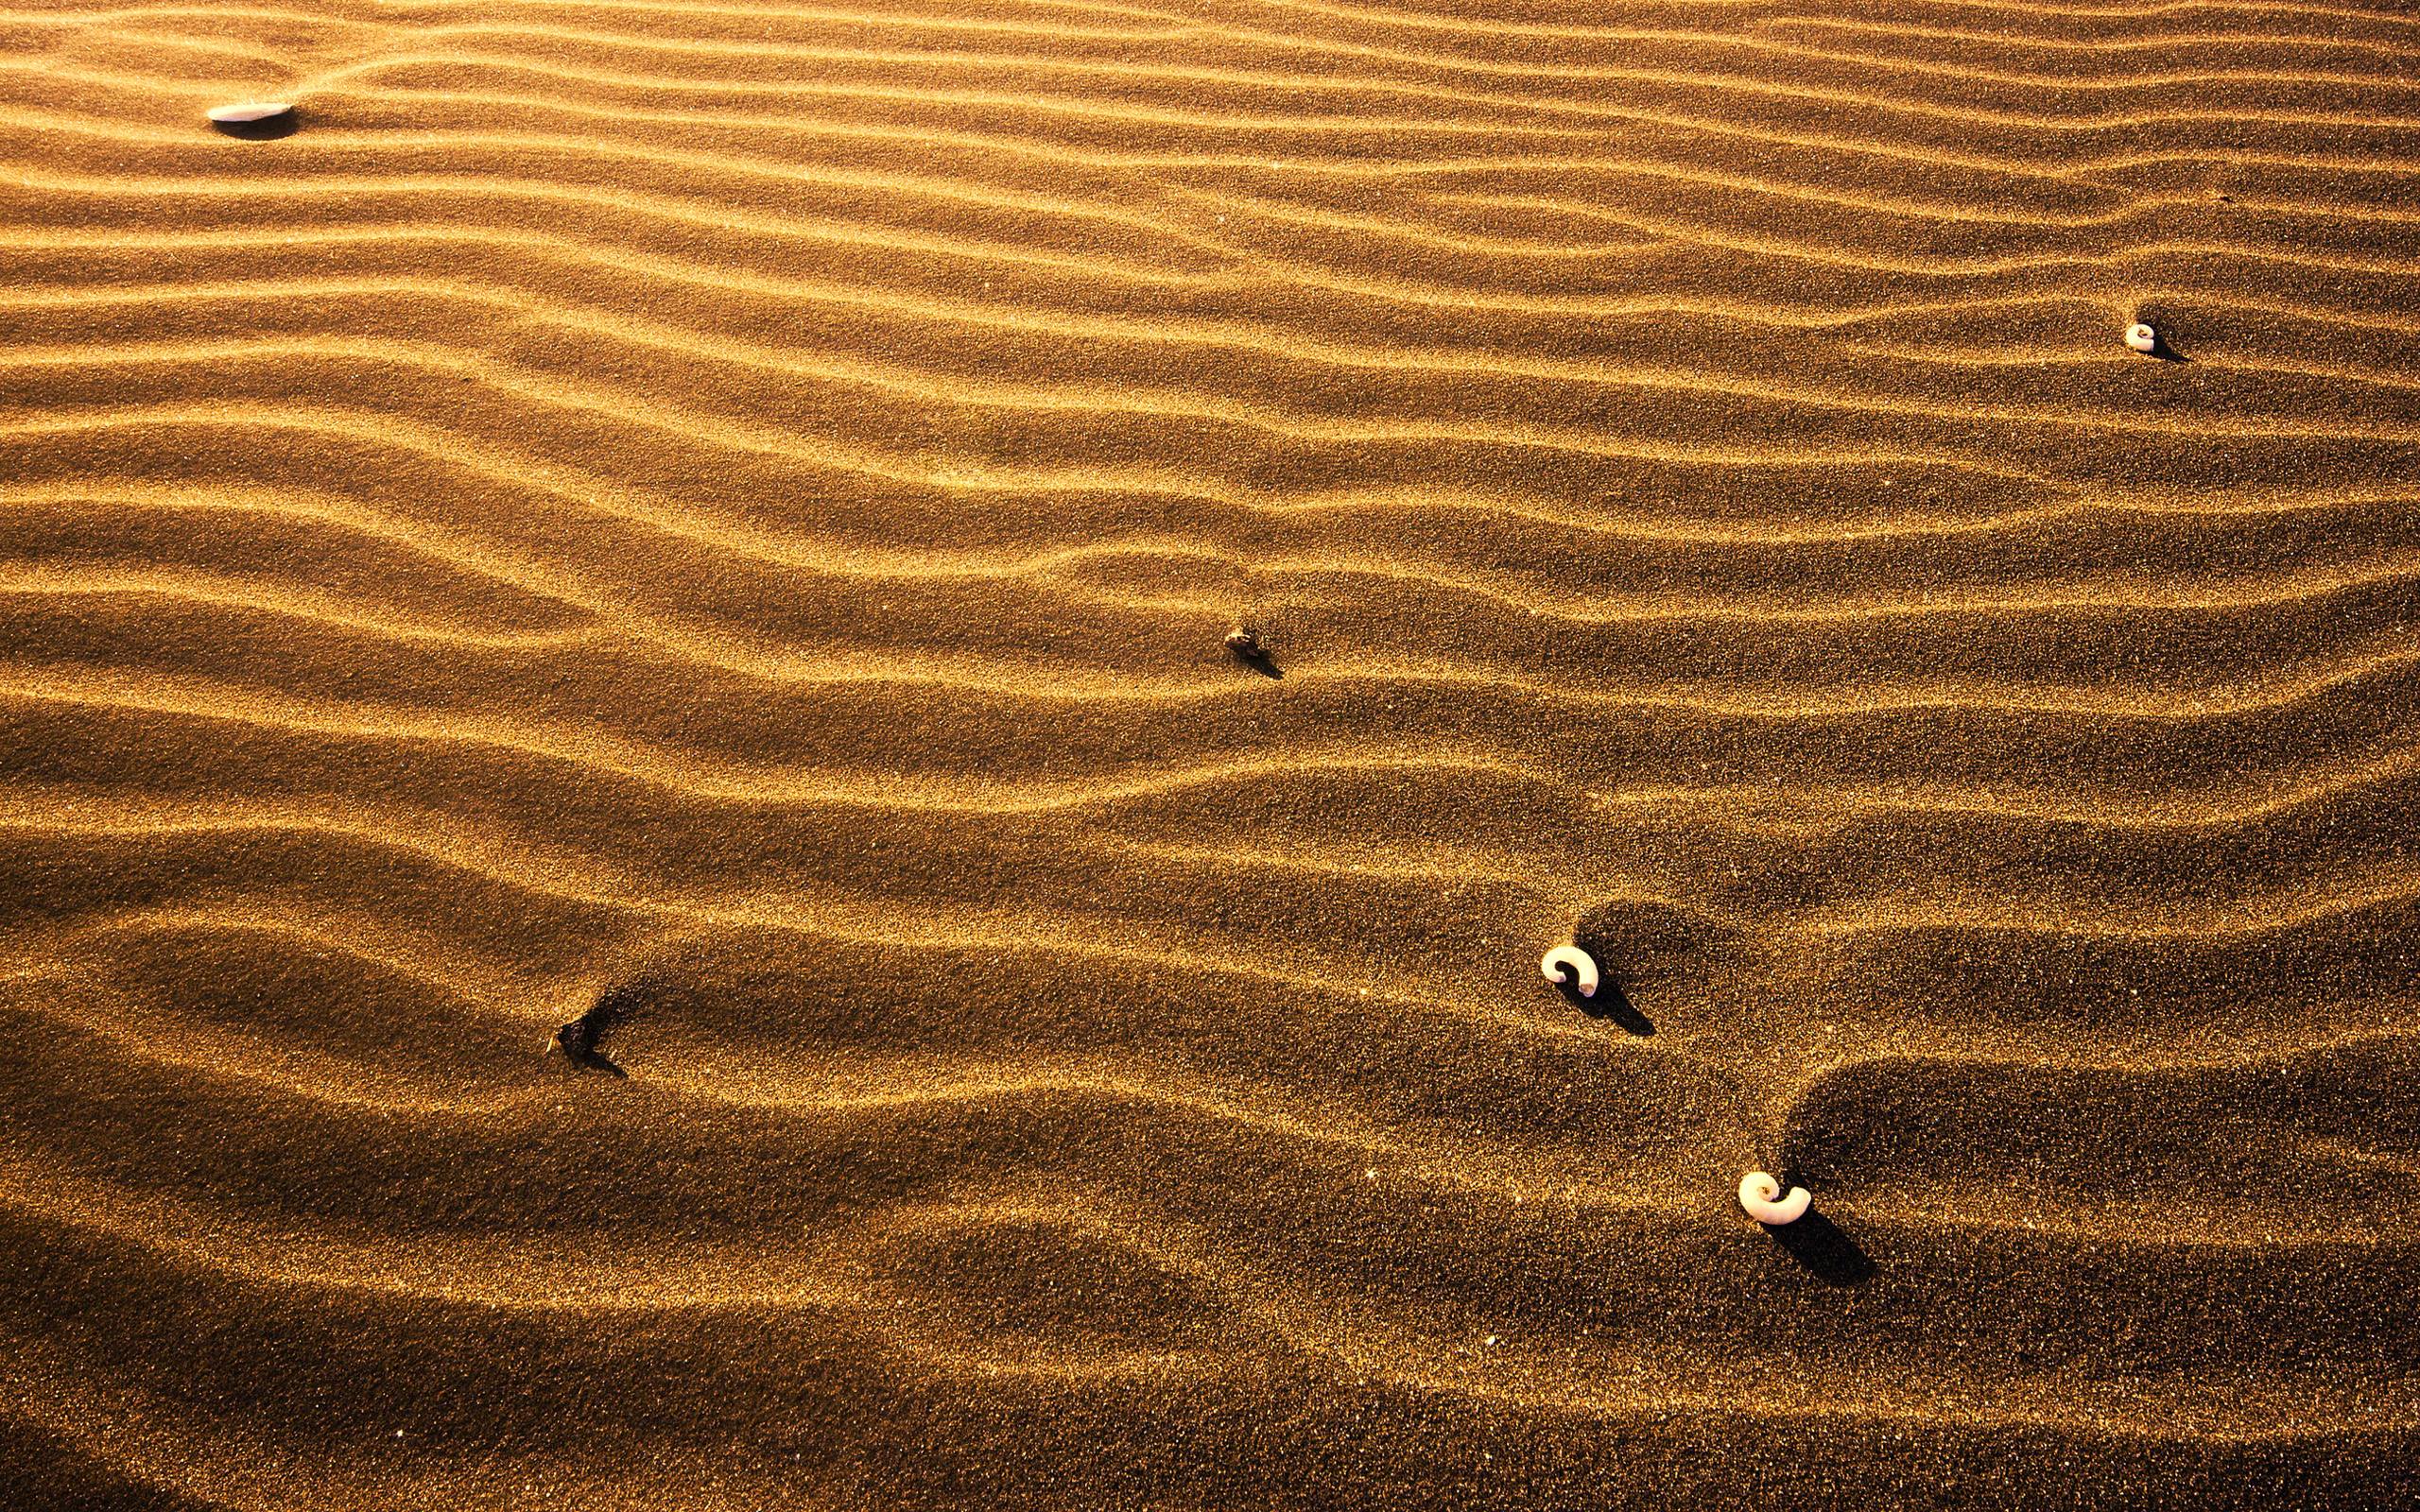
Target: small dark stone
<point>576,1039</point>
<point>582,1040</point>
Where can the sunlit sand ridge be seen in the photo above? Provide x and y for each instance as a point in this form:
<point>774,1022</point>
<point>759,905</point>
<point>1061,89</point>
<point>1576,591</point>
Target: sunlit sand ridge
<point>734,511</point>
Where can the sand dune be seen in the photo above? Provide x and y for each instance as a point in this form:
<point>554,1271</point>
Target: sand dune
<point>730,513</point>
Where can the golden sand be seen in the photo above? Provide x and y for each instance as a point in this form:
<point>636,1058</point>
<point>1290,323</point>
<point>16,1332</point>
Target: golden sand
<point>733,511</point>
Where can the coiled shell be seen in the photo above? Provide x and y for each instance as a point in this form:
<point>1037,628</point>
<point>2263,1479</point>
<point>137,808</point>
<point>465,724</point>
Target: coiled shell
<point>1760,1197</point>
<point>2141,337</point>
<point>1572,959</point>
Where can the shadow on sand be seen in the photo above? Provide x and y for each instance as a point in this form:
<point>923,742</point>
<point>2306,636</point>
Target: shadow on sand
<point>1609,1004</point>
<point>1259,661</point>
<point>269,131</point>
<point>1830,1256</point>
<point>582,1039</point>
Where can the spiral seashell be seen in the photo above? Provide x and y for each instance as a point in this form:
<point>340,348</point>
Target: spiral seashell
<point>1571,959</point>
<point>248,111</point>
<point>1760,1195</point>
<point>2141,337</point>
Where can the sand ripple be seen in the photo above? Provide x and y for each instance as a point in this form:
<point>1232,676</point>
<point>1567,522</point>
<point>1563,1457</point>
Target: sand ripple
<point>733,511</point>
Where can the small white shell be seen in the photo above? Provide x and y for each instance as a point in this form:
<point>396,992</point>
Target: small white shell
<point>2141,337</point>
<point>248,111</point>
<point>1760,1195</point>
<point>1575,960</point>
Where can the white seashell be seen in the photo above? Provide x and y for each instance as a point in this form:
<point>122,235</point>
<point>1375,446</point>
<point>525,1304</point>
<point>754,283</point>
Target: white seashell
<point>2141,337</point>
<point>1760,1195</point>
<point>1575,960</point>
<point>248,111</point>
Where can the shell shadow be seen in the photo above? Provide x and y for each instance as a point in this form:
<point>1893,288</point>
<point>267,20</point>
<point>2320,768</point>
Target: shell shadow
<point>1609,1004</point>
<point>269,131</point>
<point>2161,346</point>
<point>1259,662</point>
<point>1828,1254</point>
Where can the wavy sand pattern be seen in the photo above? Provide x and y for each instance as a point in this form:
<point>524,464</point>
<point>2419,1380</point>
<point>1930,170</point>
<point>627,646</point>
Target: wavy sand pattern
<point>732,509</point>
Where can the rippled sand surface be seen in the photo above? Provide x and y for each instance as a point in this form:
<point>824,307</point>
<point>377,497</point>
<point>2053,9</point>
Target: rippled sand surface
<point>721,518</point>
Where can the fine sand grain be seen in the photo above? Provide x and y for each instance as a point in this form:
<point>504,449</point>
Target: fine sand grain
<point>717,522</point>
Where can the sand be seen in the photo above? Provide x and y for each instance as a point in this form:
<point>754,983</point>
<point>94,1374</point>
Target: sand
<point>719,519</point>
